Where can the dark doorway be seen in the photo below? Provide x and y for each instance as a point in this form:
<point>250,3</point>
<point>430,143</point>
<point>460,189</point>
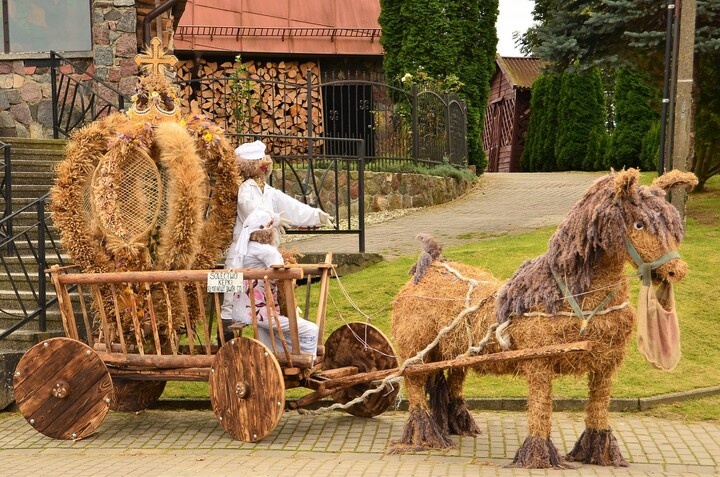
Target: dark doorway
<point>347,110</point>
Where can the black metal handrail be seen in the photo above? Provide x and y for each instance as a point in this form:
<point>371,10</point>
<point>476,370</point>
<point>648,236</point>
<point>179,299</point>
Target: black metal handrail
<point>79,97</point>
<point>6,229</point>
<point>30,268</point>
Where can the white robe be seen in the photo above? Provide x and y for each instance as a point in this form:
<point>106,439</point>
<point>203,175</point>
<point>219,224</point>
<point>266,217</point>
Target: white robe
<point>275,202</point>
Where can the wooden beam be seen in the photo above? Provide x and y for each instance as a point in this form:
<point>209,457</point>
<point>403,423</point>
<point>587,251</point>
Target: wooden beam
<point>424,368</point>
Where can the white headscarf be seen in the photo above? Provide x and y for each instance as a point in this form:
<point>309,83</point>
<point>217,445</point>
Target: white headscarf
<point>257,220</point>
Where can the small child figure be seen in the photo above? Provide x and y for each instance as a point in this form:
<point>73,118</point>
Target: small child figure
<point>256,248</point>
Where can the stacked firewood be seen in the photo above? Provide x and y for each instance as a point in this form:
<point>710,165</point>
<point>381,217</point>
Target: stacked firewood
<point>271,98</point>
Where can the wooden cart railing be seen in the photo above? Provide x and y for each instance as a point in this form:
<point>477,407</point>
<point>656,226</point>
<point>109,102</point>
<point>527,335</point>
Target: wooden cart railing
<point>141,304</point>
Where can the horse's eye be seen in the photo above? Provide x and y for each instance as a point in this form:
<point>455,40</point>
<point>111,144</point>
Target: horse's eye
<point>639,225</point>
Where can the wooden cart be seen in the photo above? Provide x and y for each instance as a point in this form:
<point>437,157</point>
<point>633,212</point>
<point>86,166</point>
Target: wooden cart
<point>120,354</point>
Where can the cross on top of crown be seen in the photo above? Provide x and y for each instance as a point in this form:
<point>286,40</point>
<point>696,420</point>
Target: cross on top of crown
<point>155,61</point>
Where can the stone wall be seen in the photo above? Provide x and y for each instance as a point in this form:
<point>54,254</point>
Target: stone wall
<point>25,100</point>
<point>383,190</point>
<point>397,190</point>
<point>25,89</point>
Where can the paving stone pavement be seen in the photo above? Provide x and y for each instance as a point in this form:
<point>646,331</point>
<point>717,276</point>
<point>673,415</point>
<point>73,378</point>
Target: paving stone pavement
<point>500,203</point>
<point>192,443</point>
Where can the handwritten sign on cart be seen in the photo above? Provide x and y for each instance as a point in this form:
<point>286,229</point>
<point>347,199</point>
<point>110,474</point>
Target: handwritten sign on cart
<point>224,281</point>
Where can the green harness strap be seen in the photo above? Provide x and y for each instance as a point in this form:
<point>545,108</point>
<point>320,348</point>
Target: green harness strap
<point>644,271</point>
<point>645,268</point>
<point>574,304</point>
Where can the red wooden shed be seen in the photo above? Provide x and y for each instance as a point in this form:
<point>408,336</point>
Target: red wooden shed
<point>508,112</point>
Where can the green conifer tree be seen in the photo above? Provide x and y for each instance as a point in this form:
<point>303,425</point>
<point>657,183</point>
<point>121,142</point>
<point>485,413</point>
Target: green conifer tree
<point>580,115</point>
<point>441,39</point>
<point>633,117</point>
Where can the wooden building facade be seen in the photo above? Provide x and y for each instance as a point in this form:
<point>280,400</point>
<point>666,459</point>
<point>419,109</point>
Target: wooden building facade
<point>508,112</point>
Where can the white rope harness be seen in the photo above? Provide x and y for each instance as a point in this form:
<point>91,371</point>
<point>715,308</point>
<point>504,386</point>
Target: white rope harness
<point>497,329</point>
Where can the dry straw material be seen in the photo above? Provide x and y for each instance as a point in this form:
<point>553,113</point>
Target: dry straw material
<point>466,310</point>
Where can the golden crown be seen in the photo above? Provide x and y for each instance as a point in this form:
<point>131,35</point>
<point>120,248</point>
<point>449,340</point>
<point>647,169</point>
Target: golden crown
<point>155,99</point>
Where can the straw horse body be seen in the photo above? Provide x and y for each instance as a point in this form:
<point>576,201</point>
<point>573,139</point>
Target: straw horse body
<point>466,310</point>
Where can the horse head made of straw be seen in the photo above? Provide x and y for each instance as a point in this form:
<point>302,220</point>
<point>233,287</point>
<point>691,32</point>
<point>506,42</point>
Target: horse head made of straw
<point>577,290</point>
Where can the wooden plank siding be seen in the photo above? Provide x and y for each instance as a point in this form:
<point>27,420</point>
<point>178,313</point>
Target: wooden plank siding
<point>508,113</point>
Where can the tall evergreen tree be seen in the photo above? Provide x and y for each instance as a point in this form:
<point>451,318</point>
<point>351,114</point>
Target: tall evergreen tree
<point>539,152</point>
<point>550,124</point>
<point>391,21</point>
<point>707,119</point>
<point>633,117</point>
<point>580,115</point>
<point>442,39</point>
<point>650,149</point>
<point>531,154</point>
<point>631,32</point>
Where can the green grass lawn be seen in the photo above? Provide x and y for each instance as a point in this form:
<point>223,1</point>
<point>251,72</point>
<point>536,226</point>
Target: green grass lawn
<point>373,289</point>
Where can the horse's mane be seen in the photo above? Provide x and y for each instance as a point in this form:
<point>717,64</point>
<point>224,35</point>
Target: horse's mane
<point>594,228</point>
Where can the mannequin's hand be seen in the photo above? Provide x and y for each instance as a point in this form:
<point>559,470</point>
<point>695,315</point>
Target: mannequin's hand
<point>325,218</point>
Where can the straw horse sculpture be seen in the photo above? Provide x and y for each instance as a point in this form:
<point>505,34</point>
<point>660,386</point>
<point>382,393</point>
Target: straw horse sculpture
<point>585,259</point>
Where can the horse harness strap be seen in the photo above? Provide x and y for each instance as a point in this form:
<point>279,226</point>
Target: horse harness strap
<point>576,307</point>
<point>644,268</point>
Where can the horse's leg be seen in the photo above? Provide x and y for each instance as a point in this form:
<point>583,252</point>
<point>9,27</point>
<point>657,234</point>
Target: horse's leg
<point>438,393</point>
<point>458,418</point>
<point>597,444</point>
<point>421,432</point>
<point>538,451</point>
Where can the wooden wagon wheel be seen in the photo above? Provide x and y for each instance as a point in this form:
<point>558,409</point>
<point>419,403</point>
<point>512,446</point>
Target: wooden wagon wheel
<point>62,388</point>
<point>247,389</point>
<point>364,346</point>
<point>133,396</point>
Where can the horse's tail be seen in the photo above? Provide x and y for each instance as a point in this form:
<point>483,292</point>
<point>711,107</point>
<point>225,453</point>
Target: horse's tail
<point>432,250</point>
<point>438,391</point>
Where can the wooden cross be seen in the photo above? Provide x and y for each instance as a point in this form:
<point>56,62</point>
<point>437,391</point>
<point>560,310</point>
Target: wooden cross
<point>156,61</point>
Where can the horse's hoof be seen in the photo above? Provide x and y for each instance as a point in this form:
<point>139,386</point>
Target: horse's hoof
<point>598,448</point>
<point>420,433</point>
<point>460,422</point>
<point>539,453</point>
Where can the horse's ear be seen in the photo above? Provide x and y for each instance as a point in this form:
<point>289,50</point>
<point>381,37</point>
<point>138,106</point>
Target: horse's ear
<point>626,182</point>
<point>676,178</point>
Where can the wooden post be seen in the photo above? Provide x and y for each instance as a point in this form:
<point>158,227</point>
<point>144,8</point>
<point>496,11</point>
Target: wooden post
<point>683,131</point>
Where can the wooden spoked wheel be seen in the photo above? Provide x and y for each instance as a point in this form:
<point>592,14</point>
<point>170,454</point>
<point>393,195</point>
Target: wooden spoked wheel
<point>366,347</point>
<point>62,388</point>
<point>134,396</point>
<point>247,389</point>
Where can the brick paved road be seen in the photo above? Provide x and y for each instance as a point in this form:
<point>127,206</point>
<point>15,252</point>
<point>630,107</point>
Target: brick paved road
<point>190,443</point>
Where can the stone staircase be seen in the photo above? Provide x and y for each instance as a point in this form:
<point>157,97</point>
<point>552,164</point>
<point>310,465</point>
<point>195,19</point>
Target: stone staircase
<point>33,174</point>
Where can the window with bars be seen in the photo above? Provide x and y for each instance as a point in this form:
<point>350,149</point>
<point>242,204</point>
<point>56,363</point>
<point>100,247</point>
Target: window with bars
<point>33,26</point>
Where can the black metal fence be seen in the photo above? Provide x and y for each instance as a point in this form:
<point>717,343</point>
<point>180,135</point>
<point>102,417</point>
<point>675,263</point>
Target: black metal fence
<point>399,125</point>
<point>6,226</point>
<point>79,97</point>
